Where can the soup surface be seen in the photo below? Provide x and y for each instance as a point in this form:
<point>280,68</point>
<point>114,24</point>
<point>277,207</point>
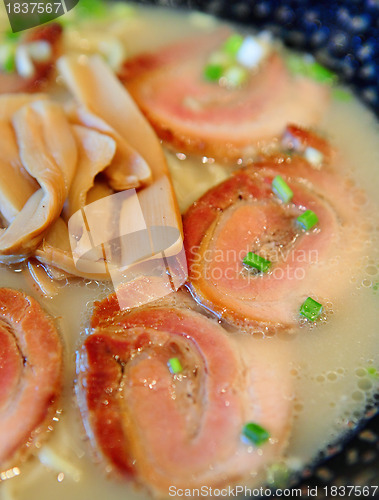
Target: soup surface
<point>334,366</point>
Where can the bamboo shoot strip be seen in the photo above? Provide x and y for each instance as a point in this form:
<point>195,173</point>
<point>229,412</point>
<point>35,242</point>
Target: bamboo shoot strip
<point>98,90</point>
<point>96,87</point>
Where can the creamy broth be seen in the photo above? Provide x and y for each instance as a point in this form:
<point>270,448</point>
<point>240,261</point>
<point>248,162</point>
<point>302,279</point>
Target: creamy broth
<point>329,365</point>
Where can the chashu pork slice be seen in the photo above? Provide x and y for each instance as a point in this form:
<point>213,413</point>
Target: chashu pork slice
<point>30,374</point>
<point>243,215</point>
<point>160,428</point>
<point>196,116</point>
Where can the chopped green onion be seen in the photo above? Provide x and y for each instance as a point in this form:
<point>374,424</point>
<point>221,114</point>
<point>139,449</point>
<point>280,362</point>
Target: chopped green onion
<point>255,433</point>
<point>311,309</point>
<point>220,59</point>
<point>321,74</point>
<point>225,63</point>
<point>372,372</point>
<point>298,65</point>
<point>235,76</point>
<point>10,36</point>
<point>174,365</point>
<point>9,64</point>
<point>281,189</point>
<point>307,220</point>
<point>342,94</point>
<point>233,44</point>
<point>313,156</point>
<point>252,52</point>
<point>256,261</point>
<point>213,72</point>
<point>8,57</point>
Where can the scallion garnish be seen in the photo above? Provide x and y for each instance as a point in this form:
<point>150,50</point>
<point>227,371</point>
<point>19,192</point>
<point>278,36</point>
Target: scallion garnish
<point>251,52</point>
<point>255,433</point>
<point>233,44</point>
<point>235,58</point>
<point>213,72</point>
<point>235,76</point>
<point>281,189</point>
<point>257,262</point>
<point>321,74</point>
<point>174,365</point>
<point>307,220</point>
<point>9,64</point>
<point>311,309</point>
<point>313,156</point>
<point>372,372</point>
<point>10,36</point>
<point>8,57</point>
<point>306,66</point>
<point>221,59</point>
<point>296,64</point>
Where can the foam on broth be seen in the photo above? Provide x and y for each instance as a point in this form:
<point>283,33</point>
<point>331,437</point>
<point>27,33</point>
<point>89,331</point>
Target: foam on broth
<point>330,364</point>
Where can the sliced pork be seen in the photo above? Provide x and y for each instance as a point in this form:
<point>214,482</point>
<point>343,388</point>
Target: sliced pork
<point>183,429</point>
<point>244,215</point>
<point>200,117</point>
<point>30,373</point>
